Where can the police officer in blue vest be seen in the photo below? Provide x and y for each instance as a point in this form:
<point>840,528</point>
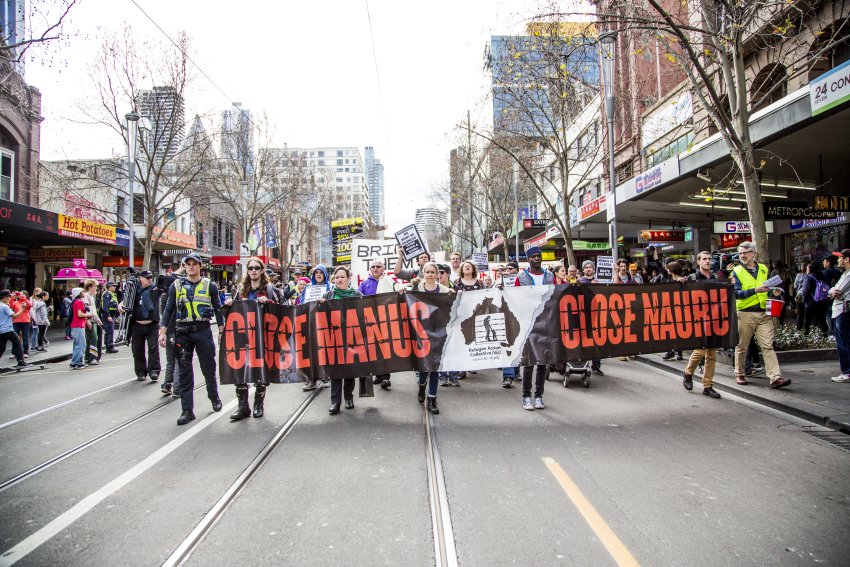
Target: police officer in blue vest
<point>193,301</point>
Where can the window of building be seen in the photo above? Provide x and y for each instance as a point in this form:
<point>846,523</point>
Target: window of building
<point>339,162</point>
<point>321,153</point>
<point>218,232</point>
<point>347,161</point>
<point>625,172</point>
<point>830,49</point>
<point>677,146</point>
<point>7,175</point>
<point>199,235</point>
<point>339,153</point>
<point>229,237</point>
<point>321,162</point>
<point>346,169</point>
<point>769,86</point>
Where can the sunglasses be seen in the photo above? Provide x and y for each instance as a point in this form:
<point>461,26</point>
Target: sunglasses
<point>377,266</point>
<point>254,268</point>
<point>443,272</point>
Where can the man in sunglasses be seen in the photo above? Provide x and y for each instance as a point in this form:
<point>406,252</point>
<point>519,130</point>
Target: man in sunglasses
<point>376,283</point>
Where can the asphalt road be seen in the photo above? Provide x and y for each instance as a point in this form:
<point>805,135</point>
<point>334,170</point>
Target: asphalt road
<point>631,471</point>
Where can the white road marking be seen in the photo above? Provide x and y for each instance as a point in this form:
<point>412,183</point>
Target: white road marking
<point>77,511</point>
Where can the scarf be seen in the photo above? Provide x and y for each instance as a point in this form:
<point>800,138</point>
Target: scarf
<point>344,293</point>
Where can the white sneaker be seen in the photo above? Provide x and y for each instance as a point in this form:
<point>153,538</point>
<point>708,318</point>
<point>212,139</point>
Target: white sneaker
<point>526,404</point>
<point>842,378</point>
<point>538,403</point>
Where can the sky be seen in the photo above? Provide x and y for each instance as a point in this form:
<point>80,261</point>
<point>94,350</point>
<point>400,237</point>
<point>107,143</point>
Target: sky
<point>310,67</point>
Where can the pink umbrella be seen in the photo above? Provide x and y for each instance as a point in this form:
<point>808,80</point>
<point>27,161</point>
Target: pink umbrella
<point>79,274</point>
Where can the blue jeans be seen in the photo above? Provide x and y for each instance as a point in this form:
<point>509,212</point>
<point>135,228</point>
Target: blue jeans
<point>79,337</point>
<point>841,324</point>
<point>432,378</point>
<point>24,329</point>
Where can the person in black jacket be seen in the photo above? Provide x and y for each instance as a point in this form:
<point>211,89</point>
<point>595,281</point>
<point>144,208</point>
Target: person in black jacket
<point>193,302</point>
<point>254,287</point>
<point>143,328</point>
<point>108,313</point>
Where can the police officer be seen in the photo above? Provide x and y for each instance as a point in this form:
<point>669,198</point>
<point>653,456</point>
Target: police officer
<point>108,314</point>
<point>194,301</point>
<point>143,326</point>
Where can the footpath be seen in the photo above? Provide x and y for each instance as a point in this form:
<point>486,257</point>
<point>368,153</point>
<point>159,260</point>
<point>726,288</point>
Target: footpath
<point>811,395</point>
<point>59,349</point>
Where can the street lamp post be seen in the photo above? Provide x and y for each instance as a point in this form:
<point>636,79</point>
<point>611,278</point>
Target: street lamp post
<point>132,146</point>
<point>607,44</point>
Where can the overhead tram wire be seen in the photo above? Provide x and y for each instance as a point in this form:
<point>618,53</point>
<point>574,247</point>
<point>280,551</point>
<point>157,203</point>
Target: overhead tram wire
<point>192,61</point>
<point>378,77</point>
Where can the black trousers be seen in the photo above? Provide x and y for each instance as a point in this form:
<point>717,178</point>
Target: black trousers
<point>338,387</point>
<point>108,332</point>
<point>539,383</point>
<point>17,346</point>
<point>185,345</point>
<point>142,338</point>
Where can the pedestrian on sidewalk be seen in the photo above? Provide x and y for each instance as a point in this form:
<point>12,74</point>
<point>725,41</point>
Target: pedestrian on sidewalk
<point>94,329</point>
<point>21,304</point>
<point>840,295</point>
<point>7,330</point>
<point>36,296</point>
<point>108,314</point>
<point>79,321</point>
<point>66,312</point>
<point>703,273</point>
<point>751,301</point>
<point>40,319</point>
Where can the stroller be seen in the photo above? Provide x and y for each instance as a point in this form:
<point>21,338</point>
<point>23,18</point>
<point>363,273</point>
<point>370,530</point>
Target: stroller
<point>581,368</point>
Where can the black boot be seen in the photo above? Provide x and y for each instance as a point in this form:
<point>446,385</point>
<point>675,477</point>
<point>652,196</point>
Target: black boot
<point>432,405</point>
<point>421,395</point>
<point>242,409</point>
<point>259,397</point>
<point>185,417</point>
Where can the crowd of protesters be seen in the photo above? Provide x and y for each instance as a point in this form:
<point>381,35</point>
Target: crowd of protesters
<point>816,294</point>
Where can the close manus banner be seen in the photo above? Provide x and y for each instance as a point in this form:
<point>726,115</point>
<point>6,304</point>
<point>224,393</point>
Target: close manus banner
<point>477,330</point>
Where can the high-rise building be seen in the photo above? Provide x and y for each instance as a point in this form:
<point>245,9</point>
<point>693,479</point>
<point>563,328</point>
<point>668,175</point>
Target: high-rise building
<point>237,137</point>
<point>13,29</point>
<point>375,184</point>
<point>163,107</point>
<point>431,224</point>
<point>340,177</point>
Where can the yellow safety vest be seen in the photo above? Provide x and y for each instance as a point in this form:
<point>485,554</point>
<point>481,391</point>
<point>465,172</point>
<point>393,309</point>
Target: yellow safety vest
<point>748,282</point>
<point>189,310</point>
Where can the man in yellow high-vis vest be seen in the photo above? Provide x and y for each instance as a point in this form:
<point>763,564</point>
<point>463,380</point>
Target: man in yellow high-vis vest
<point>751,300</point>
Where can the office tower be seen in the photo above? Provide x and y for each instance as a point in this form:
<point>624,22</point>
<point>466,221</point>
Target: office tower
<point>163,108</point>
<point>375,185</point>
<point>13,29</point>
<point>237,137</point>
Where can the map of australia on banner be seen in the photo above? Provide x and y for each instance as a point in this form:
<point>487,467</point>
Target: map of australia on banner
<point>489,327</point>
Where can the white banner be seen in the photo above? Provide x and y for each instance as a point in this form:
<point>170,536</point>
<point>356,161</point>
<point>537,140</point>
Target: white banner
<point>363,251</point>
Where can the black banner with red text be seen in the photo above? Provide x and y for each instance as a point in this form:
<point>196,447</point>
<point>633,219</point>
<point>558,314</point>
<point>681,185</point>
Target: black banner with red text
<point>477,330</point>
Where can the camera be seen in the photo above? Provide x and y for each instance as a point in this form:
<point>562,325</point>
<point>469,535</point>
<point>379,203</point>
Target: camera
<point>163,282</point>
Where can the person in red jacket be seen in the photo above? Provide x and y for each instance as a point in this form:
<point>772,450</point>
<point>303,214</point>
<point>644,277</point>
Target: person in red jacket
<point>22,323</point>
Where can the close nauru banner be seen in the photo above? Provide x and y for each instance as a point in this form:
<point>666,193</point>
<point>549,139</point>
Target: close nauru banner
<point>478,330</point>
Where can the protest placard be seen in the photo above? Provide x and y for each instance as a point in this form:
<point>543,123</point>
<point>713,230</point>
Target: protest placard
<point>604,269</point>
<point>408,238</point>
<point>314,292</point>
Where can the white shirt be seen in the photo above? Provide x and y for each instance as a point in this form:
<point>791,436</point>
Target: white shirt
<point>842,285</point>
<point>538,279</point>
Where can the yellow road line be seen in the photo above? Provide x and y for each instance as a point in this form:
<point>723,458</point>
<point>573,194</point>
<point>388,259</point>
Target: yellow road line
<point>611,542</point>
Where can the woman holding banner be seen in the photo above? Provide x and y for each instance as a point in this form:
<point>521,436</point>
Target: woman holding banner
<point>254,287</point>
<point>429,284</point>
<point>341,289</point>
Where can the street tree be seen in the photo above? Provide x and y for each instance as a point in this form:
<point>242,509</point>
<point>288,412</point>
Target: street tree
<point>715,44</point>
<point>543,83</point>
<point>152,80</point>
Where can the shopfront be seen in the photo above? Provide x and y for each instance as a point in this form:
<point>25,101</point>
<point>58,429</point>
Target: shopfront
<point>813,239</point>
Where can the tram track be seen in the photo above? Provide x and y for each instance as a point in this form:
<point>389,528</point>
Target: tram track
<point>86,444</point>
<point>197,535</point>
<point>445,551</point>
<point>63,404</point>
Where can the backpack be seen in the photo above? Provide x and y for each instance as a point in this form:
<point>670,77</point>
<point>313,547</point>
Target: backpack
<point>821,292</point>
